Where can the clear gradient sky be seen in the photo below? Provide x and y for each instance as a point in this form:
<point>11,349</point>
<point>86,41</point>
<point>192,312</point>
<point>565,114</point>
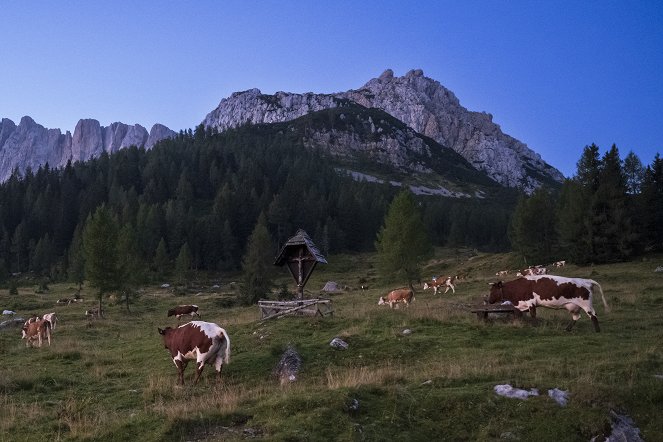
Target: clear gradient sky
<point>557,75</point>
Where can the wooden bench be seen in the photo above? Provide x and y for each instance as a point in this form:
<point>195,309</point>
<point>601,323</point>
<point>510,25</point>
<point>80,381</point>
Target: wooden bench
<point>482,311</point>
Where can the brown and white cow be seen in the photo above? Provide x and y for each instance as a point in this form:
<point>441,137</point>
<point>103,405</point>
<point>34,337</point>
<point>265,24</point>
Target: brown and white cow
<point>404,295</point>
<point>37,331</point>
<point>559,263</point>
<point>52,318</point>
<point>182,310</point>
<point>532,271</point>
<point>205,342</point>
<point>436,283</point>
<point>502,273</point>
<point>557,292</point>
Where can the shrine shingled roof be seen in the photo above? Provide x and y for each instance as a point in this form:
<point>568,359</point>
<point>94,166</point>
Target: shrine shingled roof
<point>300,238</point>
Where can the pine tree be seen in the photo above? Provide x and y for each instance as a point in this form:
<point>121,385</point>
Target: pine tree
<point>257,264</point>
<point>634,173</point>
<point>402,243</point>
<point>183,265</point>
<point>652,205</point>
<point>534,227</point>
<point>76,259</point>
<point>161,260</point>
<point>576,219</point>
<point>102,261</point>
<point>613,233</point>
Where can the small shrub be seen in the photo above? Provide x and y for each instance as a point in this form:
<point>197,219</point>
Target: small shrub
<point>13,288</point>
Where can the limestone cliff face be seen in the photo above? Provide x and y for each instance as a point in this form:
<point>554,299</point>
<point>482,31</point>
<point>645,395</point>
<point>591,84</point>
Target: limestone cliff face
<point>254,107</point>
<point>431,109</point>
<point>31,145</point>
<point>422,104</point>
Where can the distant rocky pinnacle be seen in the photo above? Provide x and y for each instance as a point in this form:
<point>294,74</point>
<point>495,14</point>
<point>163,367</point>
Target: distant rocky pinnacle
<point>32,145</point>
<point>421,103</point>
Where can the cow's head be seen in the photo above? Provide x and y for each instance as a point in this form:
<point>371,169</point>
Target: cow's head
<point>495,293</point>
<point>381,300</point>
<point>425,285</point>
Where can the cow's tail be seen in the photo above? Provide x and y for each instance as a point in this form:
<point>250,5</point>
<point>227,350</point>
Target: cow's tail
<point>226,356</point>
<point>596,285</point>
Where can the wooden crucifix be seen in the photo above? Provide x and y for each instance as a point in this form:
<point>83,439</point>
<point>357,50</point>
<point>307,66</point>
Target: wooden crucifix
<point>301,255</point>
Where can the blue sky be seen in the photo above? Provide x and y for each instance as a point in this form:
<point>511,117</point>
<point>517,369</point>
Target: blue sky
<point>557,75</point>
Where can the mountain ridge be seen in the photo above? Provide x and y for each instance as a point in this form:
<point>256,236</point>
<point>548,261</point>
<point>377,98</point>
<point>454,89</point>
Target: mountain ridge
<point>30,145</point>
<point>421,103</point>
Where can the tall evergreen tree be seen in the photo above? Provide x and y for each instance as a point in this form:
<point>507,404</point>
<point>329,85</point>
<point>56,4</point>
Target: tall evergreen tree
<point>102,260</point>
<point>533,229</point>
<point>652,205</point>
<point>161,260</point>
<point>76,259</point>
<point>183,265</point>
<point>634,173</point>
<point>402,242</point>
<point>613,236</point>
<point>576,219</point>
<point>257,264</point>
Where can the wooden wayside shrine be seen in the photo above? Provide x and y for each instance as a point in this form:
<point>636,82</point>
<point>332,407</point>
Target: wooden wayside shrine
<point>301,256</point>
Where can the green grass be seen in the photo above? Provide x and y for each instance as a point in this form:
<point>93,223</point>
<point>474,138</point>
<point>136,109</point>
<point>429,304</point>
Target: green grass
<point>113,380</point>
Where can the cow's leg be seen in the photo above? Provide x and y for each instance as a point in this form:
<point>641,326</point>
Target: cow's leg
<point>218,364</point>
<point>532,311</point>
<point>595,321</point>
<point>574,310</point>
<point>199,369</point>
<point>181,365</point>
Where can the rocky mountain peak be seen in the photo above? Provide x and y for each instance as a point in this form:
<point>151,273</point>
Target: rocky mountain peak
<point>421,103</point>
<point>32,145</point>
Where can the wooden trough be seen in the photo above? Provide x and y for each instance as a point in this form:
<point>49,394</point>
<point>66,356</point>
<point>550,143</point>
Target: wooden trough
<point>482,311</point>
<point>302,307</point>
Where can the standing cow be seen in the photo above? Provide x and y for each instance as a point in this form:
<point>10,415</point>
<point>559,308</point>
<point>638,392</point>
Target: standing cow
<point>437,283</point>
<point>205,342</point>
<point>572,294</point>
<point>182,310</point>
<point>37,331</point>
<point>404,295</point>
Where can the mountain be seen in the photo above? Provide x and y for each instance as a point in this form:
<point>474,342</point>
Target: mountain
<point>421,103</point>
<point>371,144</point>
<point>31,145</point>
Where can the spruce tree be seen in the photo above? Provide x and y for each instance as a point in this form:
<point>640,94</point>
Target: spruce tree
<point>613,233</point>
<point>402,242</point>
<point>652,205</point>
<point>533,229</point>
<point>183,265</point>
<point>257,264</point>
<point>161,260</point>
<point>102,261</point>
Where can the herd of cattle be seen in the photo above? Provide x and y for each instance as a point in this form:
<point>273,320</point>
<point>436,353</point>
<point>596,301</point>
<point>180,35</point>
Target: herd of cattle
<point>209,344</point>
<point>533,288</point>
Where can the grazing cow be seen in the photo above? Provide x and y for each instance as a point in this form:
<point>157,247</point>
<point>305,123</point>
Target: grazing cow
<point>532,271</point>
<point>205,342</point>
<point>572,294</point>
<point>559,263</point>
<point>93,313</point>
<point>502,273</point>
<point>436,283</point>
<point>404,295</point>
<point>52,318</point>
<point>37,331</point>
<point>65,301</point>
<point>182,310</point>
<point>33,318</point>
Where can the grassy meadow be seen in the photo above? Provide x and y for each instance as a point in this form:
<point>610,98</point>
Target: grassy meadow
<point>113,379</point>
